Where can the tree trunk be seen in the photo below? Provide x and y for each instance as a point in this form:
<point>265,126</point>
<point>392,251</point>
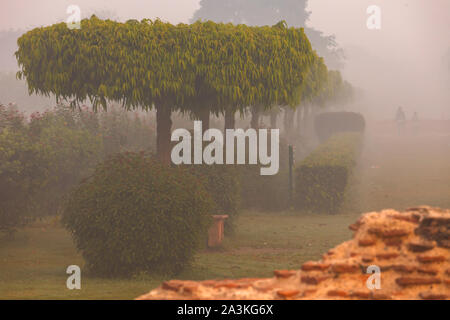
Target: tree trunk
<point>254,123</point>
<point>163,133</point>
<point>273,120</point>
<point>204,116</point>
<point>288,120</point>
<point>229,119</point>
<point>299,119</point>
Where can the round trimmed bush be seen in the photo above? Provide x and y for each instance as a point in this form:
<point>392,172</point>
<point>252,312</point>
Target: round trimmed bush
<point>136,214</point>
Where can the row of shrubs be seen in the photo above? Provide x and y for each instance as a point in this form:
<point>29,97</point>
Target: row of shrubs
<point>322,177</point>
<point>126,211</point>
<point>45,155</point>
<point>271,193</point>
<point>135,214</point>
<point>132,213</point>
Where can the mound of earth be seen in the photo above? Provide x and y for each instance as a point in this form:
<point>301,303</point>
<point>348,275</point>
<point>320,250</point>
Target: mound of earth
<point>411,249</point>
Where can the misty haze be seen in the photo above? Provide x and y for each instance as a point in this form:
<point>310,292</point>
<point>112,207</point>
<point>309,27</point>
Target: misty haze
<point>105,192</point>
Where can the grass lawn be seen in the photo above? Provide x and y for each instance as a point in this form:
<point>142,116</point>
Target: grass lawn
<point>34,261</point>
<point>393,172</point>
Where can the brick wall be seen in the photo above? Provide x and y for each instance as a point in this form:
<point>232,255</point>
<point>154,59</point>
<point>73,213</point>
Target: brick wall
<point>411,248</point>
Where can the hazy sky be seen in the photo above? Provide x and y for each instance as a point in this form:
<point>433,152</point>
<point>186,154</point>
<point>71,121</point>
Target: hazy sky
<point>398,64</point>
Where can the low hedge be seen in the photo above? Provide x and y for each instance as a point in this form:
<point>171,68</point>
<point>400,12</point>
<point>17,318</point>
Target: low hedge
<point>329,123</point>
<point>322,177</point>
<point>266,193</point>
<point>135,214</point>
<point>222,184</point>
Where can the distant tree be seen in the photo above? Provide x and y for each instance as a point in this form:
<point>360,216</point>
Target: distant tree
<point>269,12</point>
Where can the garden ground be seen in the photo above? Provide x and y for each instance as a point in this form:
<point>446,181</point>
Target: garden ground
<point>394,172</point>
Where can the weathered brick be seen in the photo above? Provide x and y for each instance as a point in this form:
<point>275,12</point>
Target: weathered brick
<point>314,280</point>
<point>287,293</point>
<point>360,294</point>
<point>355,226</point>
<point>432,296</point>
<point>387,256</point>
<point>421,246</point>
<point>367,258</point>
<point>444,243</point>
<point>416,281</point>
<point>380,296</point>
<point>337,293</point>
<point>284,273</point>
<point>407,217</point>
<point>366,242</point>
<point>345,268</point>
<point>227,284</point>
<point>428,270</point>
<point>388,233</point>
<point>392,233</point>
<point>393,242</point>
<point>309,291</point>
<point>416,265</point>
<point>190,288</point>
<point>172,285</point>
<point>403,268</point>
<point>314,266</point>
<point>430,258</point>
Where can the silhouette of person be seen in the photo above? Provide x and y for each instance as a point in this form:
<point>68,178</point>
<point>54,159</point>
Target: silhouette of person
<point>400,116</point>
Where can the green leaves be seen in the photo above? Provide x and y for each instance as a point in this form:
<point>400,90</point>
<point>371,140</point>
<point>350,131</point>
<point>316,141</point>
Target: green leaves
<point>321,178</point>
<point>186,66</point>
<point>136,214</point>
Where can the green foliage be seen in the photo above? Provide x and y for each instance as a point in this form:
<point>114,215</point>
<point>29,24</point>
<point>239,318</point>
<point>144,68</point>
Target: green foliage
<point>67,149</point>
<point>322,177</point>
<point>222,183</point>
<point>20,176</point>
<point>268,193</point>
<point>201,68</point>
<point>330,123</point>
<point>135,214</point>
<point>151,62</point>
<point>268,12</point>
<point>45,156</point>
<point>126,131</point>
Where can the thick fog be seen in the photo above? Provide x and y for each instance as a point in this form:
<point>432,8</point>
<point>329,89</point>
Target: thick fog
<point>402,63</point>
<point>405,63</point>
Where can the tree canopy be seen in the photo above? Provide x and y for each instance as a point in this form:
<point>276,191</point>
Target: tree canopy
<point>142,63</point>
<point>268,12</point>
<point>172,67</point>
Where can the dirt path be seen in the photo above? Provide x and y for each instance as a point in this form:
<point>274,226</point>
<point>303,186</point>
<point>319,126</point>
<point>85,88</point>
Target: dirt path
<point>400,171</point>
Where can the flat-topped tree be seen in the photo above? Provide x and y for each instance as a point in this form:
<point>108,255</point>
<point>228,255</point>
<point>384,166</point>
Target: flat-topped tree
<point>200,68</point>
<point>241,66</point>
